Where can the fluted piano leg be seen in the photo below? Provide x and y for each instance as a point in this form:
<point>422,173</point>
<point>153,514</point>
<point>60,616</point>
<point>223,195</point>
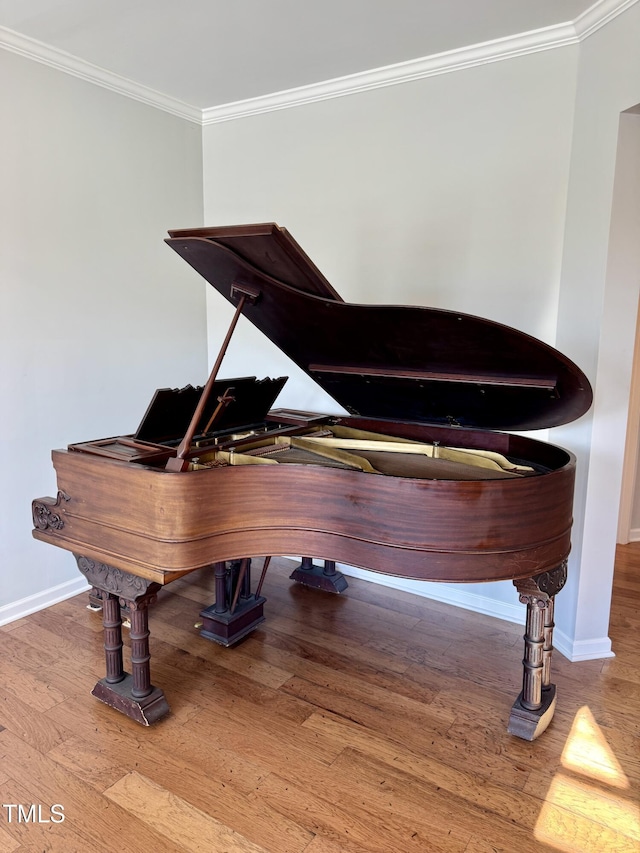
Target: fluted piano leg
<point>534,708</point>
<point>131,694</point>
<point>112,627</point>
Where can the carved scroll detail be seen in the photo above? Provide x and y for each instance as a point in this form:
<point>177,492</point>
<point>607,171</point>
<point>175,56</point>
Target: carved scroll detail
<point>44,512</point>
<point>113,580</point>
<point>542,587</point>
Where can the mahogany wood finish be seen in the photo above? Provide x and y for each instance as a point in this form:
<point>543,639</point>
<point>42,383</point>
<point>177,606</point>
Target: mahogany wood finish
<point>160,524</point>
<point>402,362</point>
<point>157,525</point>
<point>142,517</point>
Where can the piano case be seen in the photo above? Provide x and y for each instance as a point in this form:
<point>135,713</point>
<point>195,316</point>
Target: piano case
<point>141,510</point>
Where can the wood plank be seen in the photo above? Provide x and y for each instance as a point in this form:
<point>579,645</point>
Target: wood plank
<point>175,818</point>
<point>71,618</point>
<point>575,816</point>
<point>336,819</point>
<point>333,642</point>
<point>393,790</point>
<point>31,726</point>
<point>430,760</point>
<point>7,843</point>
<point>351,701</point>
<point>11,626</point>
<point>234,660</point>
<point>193,764</point>
<point>59,643</point>
<point>55,837</point>
<point>27,688</point>
<point>89,761</point>
<point>23,654</point>
<point>308,660</point>
<point>415,740</point>
<point>90,814</point>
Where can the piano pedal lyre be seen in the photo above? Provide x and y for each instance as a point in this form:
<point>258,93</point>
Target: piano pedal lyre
<point>236,611</point>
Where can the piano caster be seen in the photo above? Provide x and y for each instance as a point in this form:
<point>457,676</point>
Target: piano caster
<point>533,709</point>
<point>325,578</point>
<point>131,694</point>
<point>236,611</point>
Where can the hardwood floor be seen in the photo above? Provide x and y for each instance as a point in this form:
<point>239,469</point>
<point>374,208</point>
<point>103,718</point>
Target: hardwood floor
<point>372,721</point>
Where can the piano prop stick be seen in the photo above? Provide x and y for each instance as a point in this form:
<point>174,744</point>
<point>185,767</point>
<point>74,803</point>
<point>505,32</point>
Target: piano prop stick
<point>426,478</point>
<point>180,461</point>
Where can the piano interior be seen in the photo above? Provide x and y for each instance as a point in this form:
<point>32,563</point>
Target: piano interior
<point>335,446</point>
<point>247,433</point>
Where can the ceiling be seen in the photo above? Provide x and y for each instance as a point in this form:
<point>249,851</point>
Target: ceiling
<point>205,53</point>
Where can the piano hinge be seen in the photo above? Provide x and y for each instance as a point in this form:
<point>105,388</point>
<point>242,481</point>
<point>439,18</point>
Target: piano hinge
<point>250,292</point>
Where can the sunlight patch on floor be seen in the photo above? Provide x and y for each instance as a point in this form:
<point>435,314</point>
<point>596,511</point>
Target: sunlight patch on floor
<point>588,809</point>
<point>588,753</point>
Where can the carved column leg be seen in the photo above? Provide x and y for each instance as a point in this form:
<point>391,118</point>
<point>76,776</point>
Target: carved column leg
<point>533,709</point>
<point>140,657</point>
<point>326,578</point>
<point>224,623</point>
<point>531,696</point>
<point>547,648</point>
<point>112,625</point>
<point>133,695</point>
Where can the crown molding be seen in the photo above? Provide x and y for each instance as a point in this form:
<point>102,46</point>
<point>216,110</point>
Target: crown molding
<point>598,15</point>
<point>509,47</point>
<point>401,72</point>
<point>62,61</point>
<point>547,38</point>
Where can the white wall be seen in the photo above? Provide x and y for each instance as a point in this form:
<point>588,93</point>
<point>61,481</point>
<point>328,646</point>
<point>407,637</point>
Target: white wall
<point>449,192</point>
<point>596,322</point>
<point>624,266</point>
<point>487,190</point>
<point>96,311</point>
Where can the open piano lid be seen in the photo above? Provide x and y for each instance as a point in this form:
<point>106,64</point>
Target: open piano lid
<point>388,361</point>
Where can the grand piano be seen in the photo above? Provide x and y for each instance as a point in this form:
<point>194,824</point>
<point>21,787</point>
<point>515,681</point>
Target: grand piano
<point>422,479</point>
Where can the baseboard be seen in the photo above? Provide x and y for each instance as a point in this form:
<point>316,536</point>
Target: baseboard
<point>456,595</point>
<point>32,603</point>
<point>573,650</point>
<point>577,650</point>
<point>634,534</point>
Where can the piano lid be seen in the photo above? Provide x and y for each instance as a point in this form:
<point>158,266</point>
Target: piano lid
<point>409,363</point>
